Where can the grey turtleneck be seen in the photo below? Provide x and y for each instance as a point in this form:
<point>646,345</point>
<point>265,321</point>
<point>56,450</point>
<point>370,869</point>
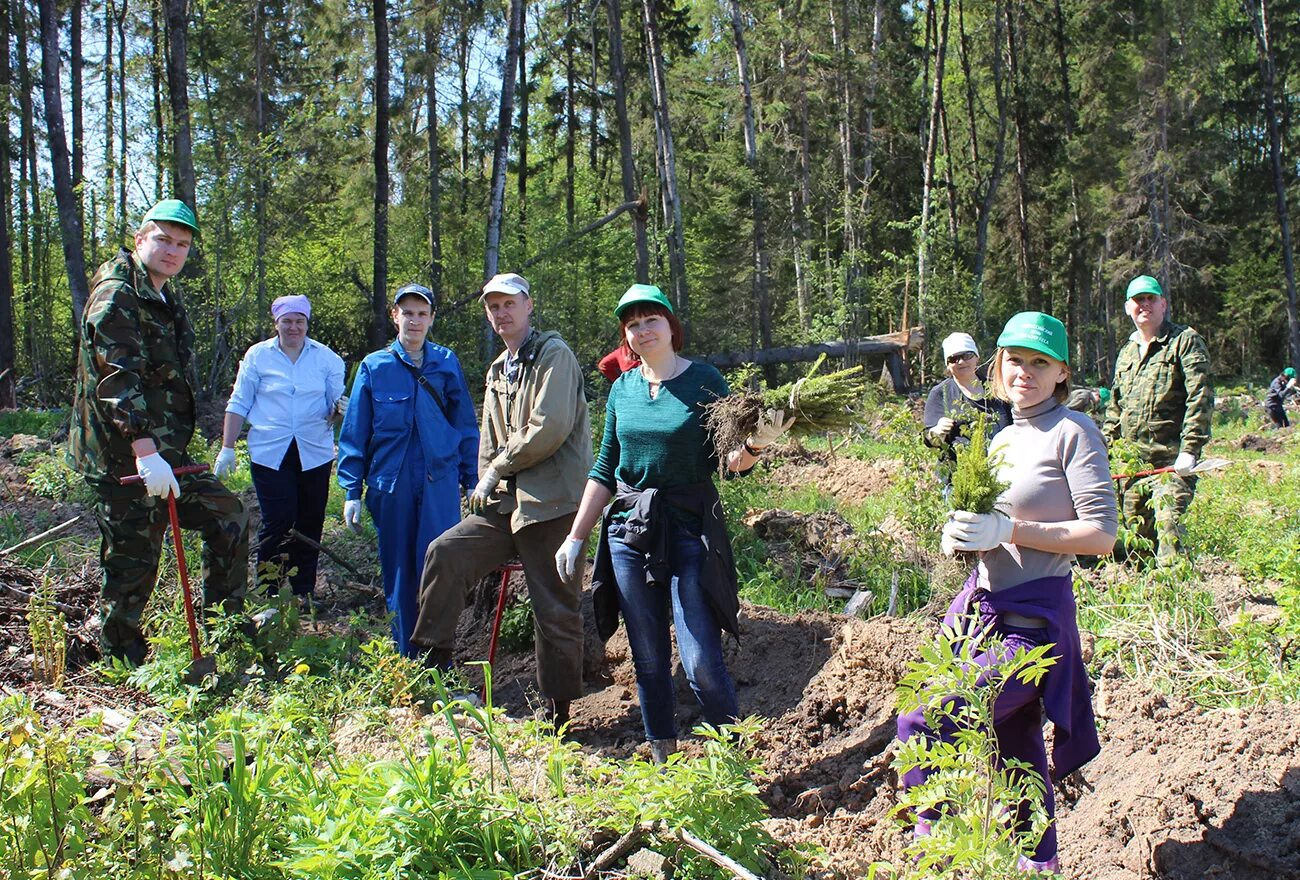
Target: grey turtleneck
<point>1056,463</point>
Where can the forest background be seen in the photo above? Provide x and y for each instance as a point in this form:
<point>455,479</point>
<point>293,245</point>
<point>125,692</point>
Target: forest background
<point>788,171</point>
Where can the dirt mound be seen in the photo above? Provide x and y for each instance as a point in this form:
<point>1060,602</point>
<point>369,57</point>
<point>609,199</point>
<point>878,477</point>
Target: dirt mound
<point>1257,443</point>
<point>849,479</point>
<point>1184,792</point>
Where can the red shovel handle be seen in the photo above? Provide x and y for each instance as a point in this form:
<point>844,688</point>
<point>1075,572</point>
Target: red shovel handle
<point>1163,470</point>
<point>182,471</point>
<point>177,544</point>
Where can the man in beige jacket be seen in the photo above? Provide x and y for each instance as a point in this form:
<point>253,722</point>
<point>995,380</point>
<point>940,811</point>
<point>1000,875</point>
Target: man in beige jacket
<point>534,455</point>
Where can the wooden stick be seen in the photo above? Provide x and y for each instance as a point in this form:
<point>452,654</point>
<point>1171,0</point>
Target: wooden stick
<point>713,854</point>
<point>36,539</point>
<point>299,536</point>
<point>69,610</point>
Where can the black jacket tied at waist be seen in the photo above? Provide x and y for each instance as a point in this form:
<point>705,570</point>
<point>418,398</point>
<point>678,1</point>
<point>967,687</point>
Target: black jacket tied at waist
<point>647,528</point>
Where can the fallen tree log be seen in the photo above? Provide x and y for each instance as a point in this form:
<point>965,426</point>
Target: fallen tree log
<point>870,346</point>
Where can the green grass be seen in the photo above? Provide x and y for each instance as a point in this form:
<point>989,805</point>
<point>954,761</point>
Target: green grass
<point>43,423</point>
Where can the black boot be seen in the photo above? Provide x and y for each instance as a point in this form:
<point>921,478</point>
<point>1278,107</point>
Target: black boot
<point>557,713</point>
<point>439,659</point>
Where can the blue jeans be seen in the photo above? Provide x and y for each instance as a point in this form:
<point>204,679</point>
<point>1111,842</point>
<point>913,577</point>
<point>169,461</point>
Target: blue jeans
<point>647,612</point>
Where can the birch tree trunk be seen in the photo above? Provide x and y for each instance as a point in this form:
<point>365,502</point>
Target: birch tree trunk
<point>931,148</point>
<point>618,78</point>
<point>522,175</point>
<point>669,192</point>
<point>112,225</point>
<point>379,278</point>
<point>67,202</point>
<point>121,113</point>
<point>501,149</point>
<point>435,164</point>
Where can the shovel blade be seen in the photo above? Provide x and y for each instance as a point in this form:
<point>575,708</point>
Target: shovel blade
<point>1211,464</point>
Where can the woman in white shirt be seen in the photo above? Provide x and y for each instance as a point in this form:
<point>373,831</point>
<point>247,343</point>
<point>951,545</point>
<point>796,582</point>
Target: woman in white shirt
<point>289,389</point>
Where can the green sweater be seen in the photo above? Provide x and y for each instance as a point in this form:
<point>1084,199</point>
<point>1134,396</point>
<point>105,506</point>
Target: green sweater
<point>661,442</point>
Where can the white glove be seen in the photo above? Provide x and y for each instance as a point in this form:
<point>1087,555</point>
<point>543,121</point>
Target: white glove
<point>1184,463</point>
<point>976,531</point>
<point>157,475</point>
<point>943,428</point>
<point>772,423</point>
<point>352,514</point>
<point>478,499</point>
<point>225,464</point>
<point>566,558</point>
<point>1292,383</point>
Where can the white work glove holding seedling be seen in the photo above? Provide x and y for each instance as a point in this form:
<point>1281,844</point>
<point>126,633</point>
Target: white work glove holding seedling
<point>352,514</point>
<point>1184,463</point>
<point>225,463</point>
<point>567,558</point>
<point>478,499</point>
<point>337,412</point>
<point>976,531</point>
<point>157,475</point>
<point>772,423</point>
<point>943,428</point>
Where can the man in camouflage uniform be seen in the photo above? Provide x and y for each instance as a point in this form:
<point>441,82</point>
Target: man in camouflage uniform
<point>133,413</point>
<point>1162,400</point>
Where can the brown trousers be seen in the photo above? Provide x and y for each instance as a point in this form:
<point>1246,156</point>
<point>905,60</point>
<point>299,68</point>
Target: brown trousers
<point>461,556</point>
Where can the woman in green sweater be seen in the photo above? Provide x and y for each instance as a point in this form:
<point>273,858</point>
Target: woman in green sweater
<point>664,556</point>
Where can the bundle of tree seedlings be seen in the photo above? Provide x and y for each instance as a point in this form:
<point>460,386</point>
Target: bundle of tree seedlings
<point>819,403</point>
<point>975,483</point>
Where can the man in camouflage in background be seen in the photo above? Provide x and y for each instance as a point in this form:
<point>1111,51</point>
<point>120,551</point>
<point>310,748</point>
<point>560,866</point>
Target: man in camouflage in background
<point>1162,400</point>
<point>133,413</point>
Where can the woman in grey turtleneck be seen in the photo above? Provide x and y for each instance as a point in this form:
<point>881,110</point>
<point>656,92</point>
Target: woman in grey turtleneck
<point>1059,502</point>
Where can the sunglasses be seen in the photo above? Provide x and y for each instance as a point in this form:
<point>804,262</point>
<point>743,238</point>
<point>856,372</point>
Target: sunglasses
<point>961,356</point>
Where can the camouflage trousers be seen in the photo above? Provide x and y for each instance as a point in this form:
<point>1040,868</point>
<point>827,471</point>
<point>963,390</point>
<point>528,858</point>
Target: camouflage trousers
<point>1154,506</point>
<point>132,525</point>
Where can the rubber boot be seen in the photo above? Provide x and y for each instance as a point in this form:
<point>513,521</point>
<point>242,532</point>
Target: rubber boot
<point>660,749</point>
<point>557,713</point>
<point>438,658</point>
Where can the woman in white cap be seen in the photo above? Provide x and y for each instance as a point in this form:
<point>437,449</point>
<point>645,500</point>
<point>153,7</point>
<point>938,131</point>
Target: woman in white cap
<point>289,389</point>
<point>958,399</point>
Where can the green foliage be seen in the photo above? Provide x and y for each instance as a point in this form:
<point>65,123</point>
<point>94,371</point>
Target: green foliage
<point>517,624</point>
<point>51,477</point>
<point>48,630</point>
<point>43,423</point>
<point>976,790</point>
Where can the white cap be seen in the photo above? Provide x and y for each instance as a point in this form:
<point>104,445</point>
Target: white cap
<point>957,343</point>
<point>508,283</point>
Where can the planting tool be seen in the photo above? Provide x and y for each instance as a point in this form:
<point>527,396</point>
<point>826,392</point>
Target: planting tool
<point>200,666</point>
<point>496,620</point>
<point>1210,464</point>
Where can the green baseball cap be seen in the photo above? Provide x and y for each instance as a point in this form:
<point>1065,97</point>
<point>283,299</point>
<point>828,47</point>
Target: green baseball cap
<point>1037,332</point>
<point>1289,372</point>
<point>1144,284</point>
<point>642,293</point>
<point>1104,395</point>
<point>173,211</point>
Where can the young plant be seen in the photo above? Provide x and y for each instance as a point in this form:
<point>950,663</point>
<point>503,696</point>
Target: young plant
<point>49,633</point>
<point>975,483</point>
<point>976,790</point>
